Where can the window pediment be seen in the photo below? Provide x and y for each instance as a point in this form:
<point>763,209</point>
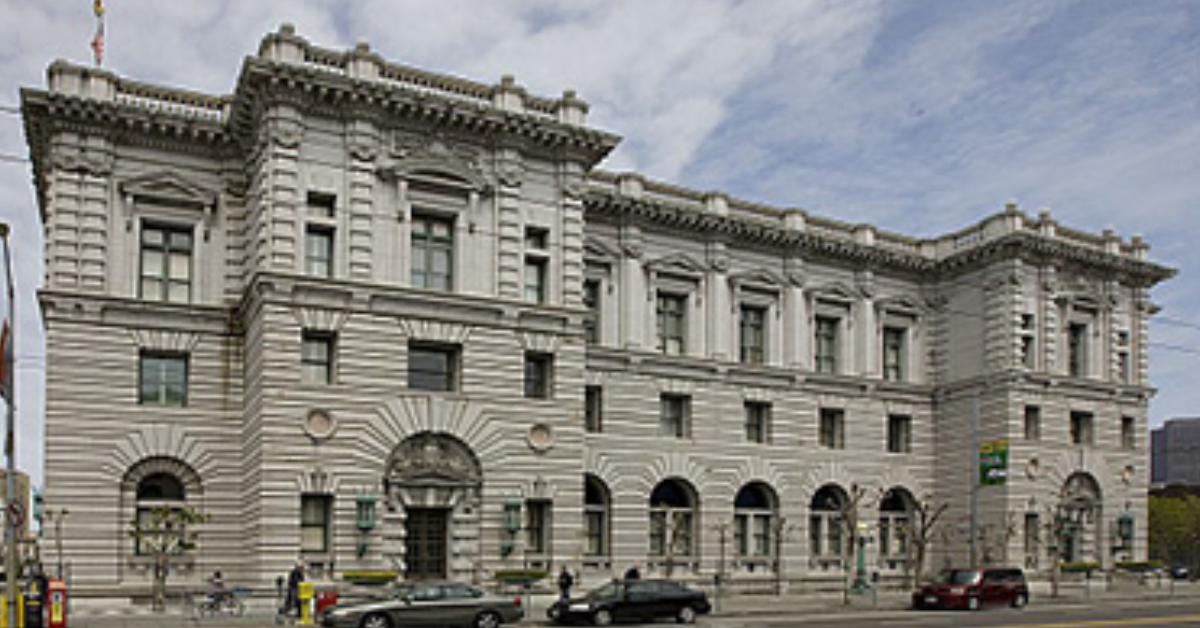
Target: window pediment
<point>759,279</point>
<point>599,252</point>
<point>679,264</point>
<point>902,305</point>
<point>837,293</point>
<point>169,188</point>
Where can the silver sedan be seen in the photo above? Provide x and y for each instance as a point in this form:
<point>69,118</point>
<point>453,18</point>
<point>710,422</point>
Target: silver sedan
<point>426,605</point>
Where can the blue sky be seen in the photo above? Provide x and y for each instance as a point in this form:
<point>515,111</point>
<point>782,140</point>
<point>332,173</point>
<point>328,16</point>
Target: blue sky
<point>919,116</point>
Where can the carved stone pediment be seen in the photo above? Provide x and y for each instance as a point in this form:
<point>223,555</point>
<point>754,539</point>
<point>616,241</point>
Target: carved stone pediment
<point>837,292</point>
<point>901,304</point>
<point>760,278</point>
<point>433,459</point>
<point>169,187</point>
<point>597,251</point>
<point>677,264</point>
<point>434,157</point>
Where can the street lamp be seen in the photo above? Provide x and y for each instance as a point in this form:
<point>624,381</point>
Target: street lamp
<point>861,585</point>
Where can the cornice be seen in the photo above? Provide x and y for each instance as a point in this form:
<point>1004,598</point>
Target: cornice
<point>263,83</point>
<point>665,215</point>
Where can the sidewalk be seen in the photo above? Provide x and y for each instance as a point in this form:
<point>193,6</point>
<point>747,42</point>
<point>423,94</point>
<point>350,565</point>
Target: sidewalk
<point>260,612</point>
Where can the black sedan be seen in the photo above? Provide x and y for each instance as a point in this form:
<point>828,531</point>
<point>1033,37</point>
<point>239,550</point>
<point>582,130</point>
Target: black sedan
<point>633,601</point>
<point>427,605</point>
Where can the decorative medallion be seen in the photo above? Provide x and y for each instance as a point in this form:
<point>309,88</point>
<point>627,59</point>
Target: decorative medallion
<point>540,437</point>
<point>319,424</point>
<point>1032,468</point>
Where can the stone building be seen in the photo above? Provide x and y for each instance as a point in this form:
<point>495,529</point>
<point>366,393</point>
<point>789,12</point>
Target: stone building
<point>372,316</point>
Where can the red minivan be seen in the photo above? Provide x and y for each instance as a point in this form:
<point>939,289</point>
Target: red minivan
<point>973,589</point>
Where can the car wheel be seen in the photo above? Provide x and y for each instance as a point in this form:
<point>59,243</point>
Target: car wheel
<point>487,620</point>
<point>376,620</point>
<point>687,615</point>
<point>972,603</point>
<point>1020,601</point>
<point>602,617</point>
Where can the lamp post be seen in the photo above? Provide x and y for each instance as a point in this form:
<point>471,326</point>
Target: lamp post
<point>861,585</point>
<point>722,530</point>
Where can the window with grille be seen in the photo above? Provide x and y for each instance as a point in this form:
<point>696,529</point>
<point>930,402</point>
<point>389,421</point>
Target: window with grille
<point>539,375</point>
<point>753,335</point>
<point>826,339</point>
<point>166,263</point>
<point>164,379</point>
<point>758,422</point>
<point>833,428</point>
<point>673,416</point>
<point>433,367</point>
<point>899,434</point>
<point>432,253</point>
<point>315,523</point>
<point>671,313</point>
<point>316,357</point>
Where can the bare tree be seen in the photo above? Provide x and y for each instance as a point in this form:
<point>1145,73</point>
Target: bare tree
<point>994,537</point>
<point>921,526</point>
<point>164,532</point>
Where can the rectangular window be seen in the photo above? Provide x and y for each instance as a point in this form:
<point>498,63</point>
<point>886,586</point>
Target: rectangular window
<point>1128,433</point>
<point>591,320</point>
<point>833,428</point>
<point>537,526</point>
<point>539,375</point>
<point>164,379</point>
<point>758,422</point>
<point>536,238</point>
<point>316,357</point>
<point>1033,423</point>
<point>432,253</point>
<point>535,280</point>
<point>318,251</point>
<point>321,205</point>
<point>753,335</point>
<point>593,409</point>
<point>826,338</point>
<point>315,522</point>
<point>893,353</point>
<point>594,531</point>
<point>1081,428</point>
<point>433,367</point>
<point>899,435</point>
<point>1028,334</point>
<point>673,416</point>
<point>166,264</point>
<point>672,321</point>
<point>1077,350</point>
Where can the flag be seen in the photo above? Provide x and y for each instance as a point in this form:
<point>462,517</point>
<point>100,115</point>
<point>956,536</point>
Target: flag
<point>98,38</point>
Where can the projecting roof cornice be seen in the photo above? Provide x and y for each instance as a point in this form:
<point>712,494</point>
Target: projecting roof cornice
<point>1004,236</point>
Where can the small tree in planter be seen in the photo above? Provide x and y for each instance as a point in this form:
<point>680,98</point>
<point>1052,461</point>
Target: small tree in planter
<point>163,532</point>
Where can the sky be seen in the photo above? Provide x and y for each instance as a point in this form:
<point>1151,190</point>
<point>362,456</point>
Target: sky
<point>918,116</point>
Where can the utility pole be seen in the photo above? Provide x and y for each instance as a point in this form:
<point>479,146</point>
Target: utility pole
<point>12,502</point>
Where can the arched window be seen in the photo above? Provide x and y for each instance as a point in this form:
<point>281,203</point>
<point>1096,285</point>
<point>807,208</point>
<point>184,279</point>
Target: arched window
<point>825,534</point>
<point>895,514</point>
<point>672,520</point>
<point>595,517</point>
<point>155,491</point>
<point>753,516</point>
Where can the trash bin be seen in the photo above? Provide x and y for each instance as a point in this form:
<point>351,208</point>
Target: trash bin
<point>325,599</point>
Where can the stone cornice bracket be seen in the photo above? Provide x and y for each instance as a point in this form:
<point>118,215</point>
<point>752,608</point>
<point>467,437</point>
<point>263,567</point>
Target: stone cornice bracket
<point>864,280</point>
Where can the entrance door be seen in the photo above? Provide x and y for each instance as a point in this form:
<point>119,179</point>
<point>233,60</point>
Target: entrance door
<point>425,543</point>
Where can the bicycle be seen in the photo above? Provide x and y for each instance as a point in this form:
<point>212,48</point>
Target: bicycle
<point>213,603</point>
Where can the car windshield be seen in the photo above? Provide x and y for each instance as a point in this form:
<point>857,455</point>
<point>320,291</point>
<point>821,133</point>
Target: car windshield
<point>957,576</point>
<point>612,589</point>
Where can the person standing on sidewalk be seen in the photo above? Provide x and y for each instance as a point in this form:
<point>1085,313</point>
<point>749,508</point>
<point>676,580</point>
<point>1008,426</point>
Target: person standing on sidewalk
<point>293,587</point>
<point>565,582</point>
<point>632,573</point>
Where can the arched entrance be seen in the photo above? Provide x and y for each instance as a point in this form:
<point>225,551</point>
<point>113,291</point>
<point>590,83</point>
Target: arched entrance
<point>1079,514</point>
<point>433,486</point>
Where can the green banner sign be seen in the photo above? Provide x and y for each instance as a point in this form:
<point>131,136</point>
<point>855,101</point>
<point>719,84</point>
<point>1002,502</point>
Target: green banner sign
<point>993,462</point>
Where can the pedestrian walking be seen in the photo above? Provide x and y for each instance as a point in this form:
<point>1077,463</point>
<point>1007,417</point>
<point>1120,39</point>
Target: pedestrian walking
<point>565,582</point>
<point>293,588</point>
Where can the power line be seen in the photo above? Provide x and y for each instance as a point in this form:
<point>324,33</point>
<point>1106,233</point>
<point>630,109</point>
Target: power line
<point>16,159</point>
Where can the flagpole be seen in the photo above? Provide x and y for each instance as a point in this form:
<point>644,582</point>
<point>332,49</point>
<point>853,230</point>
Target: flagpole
<point>10,524</point>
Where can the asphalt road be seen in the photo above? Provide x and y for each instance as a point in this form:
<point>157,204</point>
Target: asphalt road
<point>1105,615</point>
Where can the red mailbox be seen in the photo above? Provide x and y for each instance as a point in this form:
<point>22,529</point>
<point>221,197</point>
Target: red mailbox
<point>56,604</point>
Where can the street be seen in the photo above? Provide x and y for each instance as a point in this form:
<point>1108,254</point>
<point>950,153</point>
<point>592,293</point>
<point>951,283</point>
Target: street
<point>1158,614</point>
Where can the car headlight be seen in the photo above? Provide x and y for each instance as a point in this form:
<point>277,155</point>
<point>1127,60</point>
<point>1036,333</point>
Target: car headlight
<point>579,608</point>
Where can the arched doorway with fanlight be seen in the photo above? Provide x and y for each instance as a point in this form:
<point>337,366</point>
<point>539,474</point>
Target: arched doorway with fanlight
<point>1078,518</point>
<point>433,483</point>
<point>673,525</point>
